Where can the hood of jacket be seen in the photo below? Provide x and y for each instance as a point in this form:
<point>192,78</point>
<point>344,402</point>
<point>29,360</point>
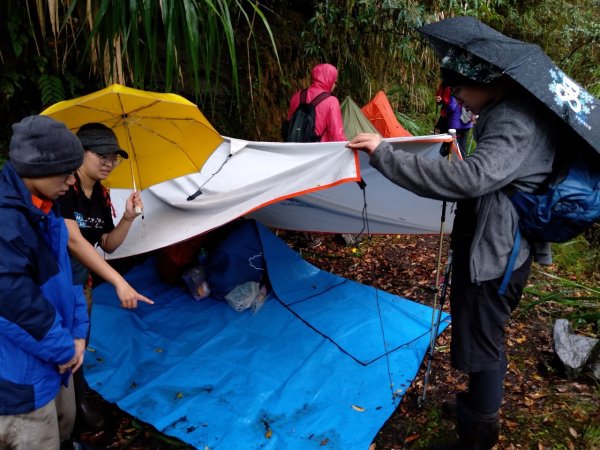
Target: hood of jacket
<point>324,76</point>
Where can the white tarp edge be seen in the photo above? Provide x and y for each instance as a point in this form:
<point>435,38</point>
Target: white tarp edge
<point>390,209</point>
<point>254,179</point>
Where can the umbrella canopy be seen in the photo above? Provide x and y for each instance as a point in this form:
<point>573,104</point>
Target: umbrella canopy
<point>165,135</point>
<point>525,63</point>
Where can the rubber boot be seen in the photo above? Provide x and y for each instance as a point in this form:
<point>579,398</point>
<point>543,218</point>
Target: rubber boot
<point>87,417</point>
<point>476,431</point>
<point>67,445</point>
<point>449,408</point>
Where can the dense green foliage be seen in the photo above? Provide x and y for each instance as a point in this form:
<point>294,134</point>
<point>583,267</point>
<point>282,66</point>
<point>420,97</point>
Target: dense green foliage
<point>375,45</point>
<point>53,50</point>
<point>240,60</point>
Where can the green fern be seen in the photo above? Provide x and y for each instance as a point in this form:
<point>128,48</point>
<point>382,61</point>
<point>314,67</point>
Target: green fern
<point>51,89</point>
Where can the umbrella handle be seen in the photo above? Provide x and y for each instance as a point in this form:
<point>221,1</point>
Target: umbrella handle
<point>138,209</point>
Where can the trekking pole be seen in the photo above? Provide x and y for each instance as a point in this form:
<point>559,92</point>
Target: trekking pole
<point>435,321</point>
<point>436,328</point>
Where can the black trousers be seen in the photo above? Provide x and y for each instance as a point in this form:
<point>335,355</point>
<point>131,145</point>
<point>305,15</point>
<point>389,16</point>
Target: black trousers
<point>479,317</point>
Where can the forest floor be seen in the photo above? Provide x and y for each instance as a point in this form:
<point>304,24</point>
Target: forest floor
<point>541,410</point>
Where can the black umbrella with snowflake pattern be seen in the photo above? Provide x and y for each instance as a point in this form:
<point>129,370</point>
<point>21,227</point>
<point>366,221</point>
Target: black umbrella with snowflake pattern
<point>525,63</point>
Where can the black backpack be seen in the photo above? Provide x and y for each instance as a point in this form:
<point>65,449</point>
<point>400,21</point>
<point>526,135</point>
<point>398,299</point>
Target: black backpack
<point>301,127</point>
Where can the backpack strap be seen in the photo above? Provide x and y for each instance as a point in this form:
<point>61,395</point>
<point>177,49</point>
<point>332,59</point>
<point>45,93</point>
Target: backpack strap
<point>319,98</point>
<point>511,263</point>
<point>303,96</point>
<point>314,102</point>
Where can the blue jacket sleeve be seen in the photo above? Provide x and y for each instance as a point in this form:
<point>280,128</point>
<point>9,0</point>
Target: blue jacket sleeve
<point>81,322</point>
<point>27,318</point>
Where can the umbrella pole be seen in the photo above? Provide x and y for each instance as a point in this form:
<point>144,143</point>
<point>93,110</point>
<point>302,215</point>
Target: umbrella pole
<point>138,209</point>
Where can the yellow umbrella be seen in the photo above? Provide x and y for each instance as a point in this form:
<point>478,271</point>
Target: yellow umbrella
<point>165,135</point>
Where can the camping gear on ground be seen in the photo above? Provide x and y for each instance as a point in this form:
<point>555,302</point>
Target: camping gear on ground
<point>354,119</point>
<point>301,127</point>
<point>310,371</point>
<point>235,261</point>
<point>195,282</point>
<point>174,260</point>
<point>249,295</point>
<point>525,63</point>
<point>380,114</point>
<point>165,135</point>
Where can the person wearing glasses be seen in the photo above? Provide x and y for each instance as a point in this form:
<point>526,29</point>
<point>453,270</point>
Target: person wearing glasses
<point>88,214</point>
<point>43,319</point>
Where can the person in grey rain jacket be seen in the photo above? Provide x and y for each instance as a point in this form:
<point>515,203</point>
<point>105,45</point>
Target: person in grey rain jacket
<point>516,145</point>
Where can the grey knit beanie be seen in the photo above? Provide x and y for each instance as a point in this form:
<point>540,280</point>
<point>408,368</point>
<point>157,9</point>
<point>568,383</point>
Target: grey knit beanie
<point>41,146</point>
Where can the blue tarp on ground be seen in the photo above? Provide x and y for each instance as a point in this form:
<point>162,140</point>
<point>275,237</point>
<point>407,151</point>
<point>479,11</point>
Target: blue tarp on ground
<point>310,370</point>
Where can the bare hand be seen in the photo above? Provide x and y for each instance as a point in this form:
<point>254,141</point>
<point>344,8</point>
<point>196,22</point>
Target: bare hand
<point>133,205</point>
<point>129,297</point>
<point>79,350</point>
<point>75,362</point>
<point>367,142</point>
<point>62,368</point>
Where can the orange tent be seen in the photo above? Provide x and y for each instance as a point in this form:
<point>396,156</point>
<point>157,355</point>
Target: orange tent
<point>380,114</point>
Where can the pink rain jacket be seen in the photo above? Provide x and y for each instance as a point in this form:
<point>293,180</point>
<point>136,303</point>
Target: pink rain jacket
<point>328,120</point>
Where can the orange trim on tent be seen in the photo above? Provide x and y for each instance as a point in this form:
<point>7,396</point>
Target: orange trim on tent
<point>431,138</point>
<point>455,150</point>
<point>380,114</point>
<point>315,189</point>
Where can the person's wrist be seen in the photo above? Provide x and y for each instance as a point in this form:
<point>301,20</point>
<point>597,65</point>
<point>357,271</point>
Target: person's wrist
<point>129,217</point>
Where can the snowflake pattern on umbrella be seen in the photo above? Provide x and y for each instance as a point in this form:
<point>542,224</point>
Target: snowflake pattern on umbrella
<point>567,91</point>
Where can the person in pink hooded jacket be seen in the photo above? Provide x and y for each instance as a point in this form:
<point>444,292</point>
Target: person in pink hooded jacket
<point>328,114</point>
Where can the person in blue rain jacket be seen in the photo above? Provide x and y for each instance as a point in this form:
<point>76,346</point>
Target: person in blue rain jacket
<point>43,317</point>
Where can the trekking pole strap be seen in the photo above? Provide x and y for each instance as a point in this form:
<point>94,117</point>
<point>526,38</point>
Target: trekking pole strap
<point>511,262</point>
